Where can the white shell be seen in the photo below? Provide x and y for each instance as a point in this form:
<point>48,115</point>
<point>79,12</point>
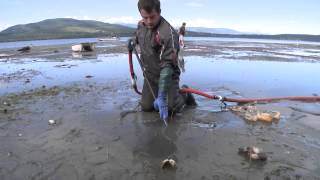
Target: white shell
<point>256,150</point>
<point>170,162</point>
<point>254,156</point>
<point>51,122</point>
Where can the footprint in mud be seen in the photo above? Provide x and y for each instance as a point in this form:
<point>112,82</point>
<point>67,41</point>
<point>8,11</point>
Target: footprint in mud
<point>65,65</point>
<point>283,172</point>
<point>72,134</point>
<point>297,116</point>
<point>306,110</point>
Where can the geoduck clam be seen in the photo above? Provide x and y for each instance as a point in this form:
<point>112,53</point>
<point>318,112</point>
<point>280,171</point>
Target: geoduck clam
<point>168,164</point>
<point>253,153</point>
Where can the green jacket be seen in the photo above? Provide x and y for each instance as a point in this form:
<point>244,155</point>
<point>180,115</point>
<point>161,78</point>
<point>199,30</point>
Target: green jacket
<point>159,53</point>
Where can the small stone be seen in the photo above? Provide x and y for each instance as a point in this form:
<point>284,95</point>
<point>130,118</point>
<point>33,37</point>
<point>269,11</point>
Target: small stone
<point>98,148</point>
<point>116,139</point>
<point>19,134</point>
<point>89,76</point>
<point>52,122</point>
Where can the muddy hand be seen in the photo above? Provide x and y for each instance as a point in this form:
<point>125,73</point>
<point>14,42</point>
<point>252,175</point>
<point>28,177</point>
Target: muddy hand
<point>160,104</point>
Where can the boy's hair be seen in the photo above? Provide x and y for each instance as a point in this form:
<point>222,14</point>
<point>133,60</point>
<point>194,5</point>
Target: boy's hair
<point>149,5</point>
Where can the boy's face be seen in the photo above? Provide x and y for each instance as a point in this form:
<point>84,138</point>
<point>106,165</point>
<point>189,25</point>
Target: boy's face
<point>150,19</point>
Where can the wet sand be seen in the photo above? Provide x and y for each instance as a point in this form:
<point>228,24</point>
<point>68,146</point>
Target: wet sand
<point>87,94</point>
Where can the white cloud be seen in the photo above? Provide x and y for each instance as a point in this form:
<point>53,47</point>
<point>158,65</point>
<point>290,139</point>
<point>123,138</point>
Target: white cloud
<point>199,22</point>
<point>85,17</point>
<point>120,20</point>
<point>112,20</point>
<point>4,26</point>
<point>72,17</point>
<point>193,4</point>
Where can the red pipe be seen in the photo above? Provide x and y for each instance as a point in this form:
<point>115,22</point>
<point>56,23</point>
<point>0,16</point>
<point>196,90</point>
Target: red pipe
<point>133,76</point>
<point>252,100</point>
<point>195,91</point>
<point>131,64</point>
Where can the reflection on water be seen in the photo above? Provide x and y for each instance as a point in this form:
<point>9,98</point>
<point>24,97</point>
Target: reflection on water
<point>253,77</point>
<point>51,42</point>
<point>248,77</point>
<point>271,41</point>
<point>87,55</point>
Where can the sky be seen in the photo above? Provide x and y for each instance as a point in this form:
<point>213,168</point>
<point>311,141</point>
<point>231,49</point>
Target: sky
<point>256,16</point>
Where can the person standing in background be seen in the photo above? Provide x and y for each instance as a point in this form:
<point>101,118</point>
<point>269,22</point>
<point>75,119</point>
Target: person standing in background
<point>182,32</point>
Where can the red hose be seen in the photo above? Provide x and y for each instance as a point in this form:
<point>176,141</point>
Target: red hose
<point>131,64</point>
<point>251,100</point>
<point>195,91</point>
<point>133,76</point>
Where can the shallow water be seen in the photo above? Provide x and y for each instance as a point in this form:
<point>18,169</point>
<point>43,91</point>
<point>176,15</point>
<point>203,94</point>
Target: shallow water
<point>249,77</point>
<point>212,40</point>
<point>19,44</point>
<point>246,40</point>
<point>253,77</point>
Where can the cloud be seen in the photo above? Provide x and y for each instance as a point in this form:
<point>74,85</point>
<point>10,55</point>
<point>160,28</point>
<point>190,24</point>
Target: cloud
<point>4,26</point>
<point>85,17</point>
<point>72,17</point>
<point>199,22</point>
<point>120,20</point>
<point>112,20</point>
<point>193,4</point>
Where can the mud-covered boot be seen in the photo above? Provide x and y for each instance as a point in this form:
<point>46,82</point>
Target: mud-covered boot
<point>189,98</point>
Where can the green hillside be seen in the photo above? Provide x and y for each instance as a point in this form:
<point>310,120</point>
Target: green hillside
<point>63,28</point>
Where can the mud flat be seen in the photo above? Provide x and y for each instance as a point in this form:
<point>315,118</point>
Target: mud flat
<point>87,95</point>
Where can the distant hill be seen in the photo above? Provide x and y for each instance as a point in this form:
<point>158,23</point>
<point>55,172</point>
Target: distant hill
<point>214,30</point>
<point>63,28</point>
<point>130,25</point>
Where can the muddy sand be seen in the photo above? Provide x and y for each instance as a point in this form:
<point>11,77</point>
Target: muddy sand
<point>97,134</point>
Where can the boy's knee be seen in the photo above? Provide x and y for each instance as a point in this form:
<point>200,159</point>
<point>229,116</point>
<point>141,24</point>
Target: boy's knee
<point>147,107</point>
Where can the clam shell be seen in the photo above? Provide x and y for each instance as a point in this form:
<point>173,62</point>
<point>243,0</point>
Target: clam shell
<point>168,163</point>
<point>51,122</point>
<point>256,150</point>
